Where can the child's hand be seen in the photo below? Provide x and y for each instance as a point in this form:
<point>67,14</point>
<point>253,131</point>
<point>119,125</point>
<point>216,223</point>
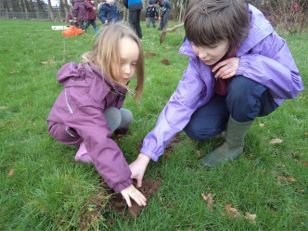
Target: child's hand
<point>138,168</point>
<point>226,68</point>
<point>135,194</point>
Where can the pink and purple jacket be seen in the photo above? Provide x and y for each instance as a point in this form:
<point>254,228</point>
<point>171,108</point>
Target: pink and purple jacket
<point>80,107</point>
<point>264,58</point>
<point>90,10</point>
<point>79,10</point>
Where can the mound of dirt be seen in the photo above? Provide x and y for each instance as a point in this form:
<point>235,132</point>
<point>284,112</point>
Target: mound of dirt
<point>165,61</point>
<point>149,54</point>
<point>118,204</point>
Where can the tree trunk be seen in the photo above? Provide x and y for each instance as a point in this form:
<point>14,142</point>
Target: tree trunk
<point>66,7</point>
<point>15,6</point>
<point>181,11</point>
<point>24,7</point>
<point>50,13</point>
<point>31,6</point>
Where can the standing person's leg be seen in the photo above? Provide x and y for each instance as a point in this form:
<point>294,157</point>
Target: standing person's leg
<point>93,23</point>
<point>81,24</point>
<point>246,100</point>
<point>138,27</point>
<point>86,24</point>
<point>161,22</point>
<point>209,120</point>
<point>153,21</point>
<point>134,20</point>
<point>148,21</point>
<point>165,19</point>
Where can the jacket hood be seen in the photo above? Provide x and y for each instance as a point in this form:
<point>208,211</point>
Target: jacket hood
<point>259,29</point>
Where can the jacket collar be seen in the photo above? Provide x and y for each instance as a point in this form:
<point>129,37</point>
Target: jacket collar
<point>260,28</point>
<point>113,86</point>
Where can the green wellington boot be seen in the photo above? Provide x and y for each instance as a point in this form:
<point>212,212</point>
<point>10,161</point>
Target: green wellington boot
<point>233,145</point>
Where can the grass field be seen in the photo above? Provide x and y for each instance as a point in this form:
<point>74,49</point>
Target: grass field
<point>43,188</point>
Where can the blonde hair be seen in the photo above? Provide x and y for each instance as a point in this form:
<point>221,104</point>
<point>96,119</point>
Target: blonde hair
<point>106,55</point>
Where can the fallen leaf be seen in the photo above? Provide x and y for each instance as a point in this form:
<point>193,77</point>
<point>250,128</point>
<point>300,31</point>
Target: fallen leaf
<point>251,217</point>
<point>306,133</point>
<point>281,165</point>
<point>232,212</point>
<point>306,163</point>
<point>149,54</point>
<point>300,190</point>
<point>209,199</point>
<point>14,71</point>
<point>262,125</point>
<point>198,154</point>
<point>48,62</point>
<point>276,141</point>
<point>11,172</point>
<point>289,179</point>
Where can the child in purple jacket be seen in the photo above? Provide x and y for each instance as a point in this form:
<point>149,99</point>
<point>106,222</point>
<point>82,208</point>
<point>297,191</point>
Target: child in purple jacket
<point>239,69</point>
<point>90,15</point>
<point>89,109</point>
<point>79,12</point>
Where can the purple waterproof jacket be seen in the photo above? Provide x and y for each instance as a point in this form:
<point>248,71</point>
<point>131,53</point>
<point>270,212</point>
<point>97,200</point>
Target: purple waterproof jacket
<point>80,107</point>
<point>264,58</point>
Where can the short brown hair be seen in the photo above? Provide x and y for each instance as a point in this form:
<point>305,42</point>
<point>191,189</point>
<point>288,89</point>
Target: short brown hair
<point>208,22</point>
<point>106,55</point>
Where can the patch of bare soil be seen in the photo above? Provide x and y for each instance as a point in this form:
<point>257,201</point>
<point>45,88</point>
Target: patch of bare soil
<point>118,204</point>
<point>98,205</point>
<point>149,54</point>
<point>165,61</point>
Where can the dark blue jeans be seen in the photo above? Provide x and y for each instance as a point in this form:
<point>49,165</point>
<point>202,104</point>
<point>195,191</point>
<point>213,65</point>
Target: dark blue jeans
<point>246,100</point>
<point>134,21</point>
<point>164,19</point>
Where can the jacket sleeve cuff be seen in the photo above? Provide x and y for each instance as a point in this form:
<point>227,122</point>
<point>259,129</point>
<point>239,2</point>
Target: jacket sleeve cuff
<point>120,186</point>
<point>242,66</point>
<point>150,154</point>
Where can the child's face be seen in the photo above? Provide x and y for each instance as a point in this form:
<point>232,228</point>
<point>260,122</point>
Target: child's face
<point>211,55</point>
<point>129,54</point>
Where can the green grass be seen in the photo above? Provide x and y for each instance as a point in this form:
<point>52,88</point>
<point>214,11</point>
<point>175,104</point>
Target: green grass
<point>43,188</point>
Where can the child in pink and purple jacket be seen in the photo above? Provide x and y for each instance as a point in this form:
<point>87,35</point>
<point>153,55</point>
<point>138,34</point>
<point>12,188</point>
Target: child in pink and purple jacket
<point>89,109</point>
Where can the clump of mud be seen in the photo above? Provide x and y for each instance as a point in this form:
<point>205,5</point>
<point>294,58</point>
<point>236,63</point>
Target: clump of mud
<point>118,204</point>
<point>96,208</point>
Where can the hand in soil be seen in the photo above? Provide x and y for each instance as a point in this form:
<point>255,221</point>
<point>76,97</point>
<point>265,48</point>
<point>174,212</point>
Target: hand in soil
<point>117,203</point>
<point>135,194</point>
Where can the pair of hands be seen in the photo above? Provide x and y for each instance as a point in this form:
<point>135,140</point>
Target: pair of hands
<point>226,68</point>
<point>137,168</point>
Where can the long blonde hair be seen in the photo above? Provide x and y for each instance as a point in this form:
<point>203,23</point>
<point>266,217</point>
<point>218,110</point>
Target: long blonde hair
<point>106,55</point>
